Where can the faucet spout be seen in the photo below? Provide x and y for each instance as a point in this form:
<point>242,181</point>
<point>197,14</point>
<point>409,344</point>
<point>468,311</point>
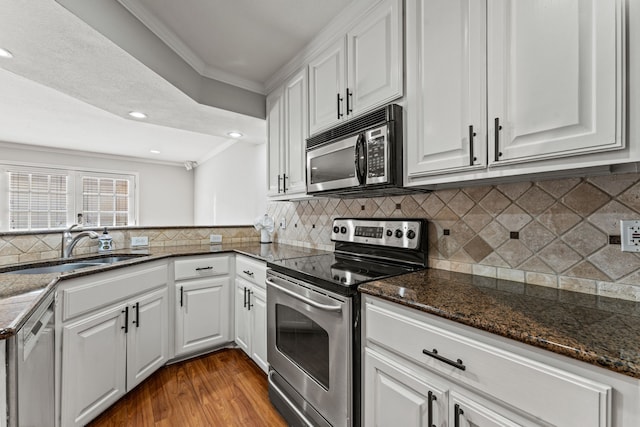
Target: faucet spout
<point>70,241</point>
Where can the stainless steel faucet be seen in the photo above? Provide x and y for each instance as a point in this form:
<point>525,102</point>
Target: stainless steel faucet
<point>70,241</point>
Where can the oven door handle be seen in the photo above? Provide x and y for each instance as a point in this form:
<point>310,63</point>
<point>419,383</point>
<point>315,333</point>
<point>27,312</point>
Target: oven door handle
<point>335,308</point>
<point>288,401</point>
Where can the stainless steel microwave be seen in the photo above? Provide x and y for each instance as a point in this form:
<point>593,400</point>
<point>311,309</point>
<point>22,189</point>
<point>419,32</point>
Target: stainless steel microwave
<point>360,158</point>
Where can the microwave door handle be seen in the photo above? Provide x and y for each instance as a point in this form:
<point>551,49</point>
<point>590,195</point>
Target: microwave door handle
<point>361,159</point>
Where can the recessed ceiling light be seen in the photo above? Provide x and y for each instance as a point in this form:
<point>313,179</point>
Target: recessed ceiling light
<point>138,114</point>
<point>154,151</point>
<point>5,53</point>
<point>234,134</point>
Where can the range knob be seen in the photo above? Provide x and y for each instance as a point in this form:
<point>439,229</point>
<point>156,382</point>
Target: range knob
<point>389,232</point>
<point>411,234</point>
<point>336,229</point>
<point>343,229</point>
<point>399,233</point>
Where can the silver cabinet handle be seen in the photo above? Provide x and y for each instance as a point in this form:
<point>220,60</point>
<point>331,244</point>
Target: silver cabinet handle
<point>335,308</point>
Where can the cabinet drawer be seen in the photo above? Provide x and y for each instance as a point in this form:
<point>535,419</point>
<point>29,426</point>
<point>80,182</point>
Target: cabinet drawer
<point>102,289</point>
<point>543,391</point>
<point>251,270</point>
<point>193,267</point>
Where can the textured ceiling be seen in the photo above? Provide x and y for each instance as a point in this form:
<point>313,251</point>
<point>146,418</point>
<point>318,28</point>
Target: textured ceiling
<point>68,86</point>
<point>241,42</point>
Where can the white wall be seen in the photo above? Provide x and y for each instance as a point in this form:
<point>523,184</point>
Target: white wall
<point>230,188</point>
<point>165,191</point>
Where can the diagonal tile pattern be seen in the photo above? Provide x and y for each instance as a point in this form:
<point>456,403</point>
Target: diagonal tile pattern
<point>563,227</point>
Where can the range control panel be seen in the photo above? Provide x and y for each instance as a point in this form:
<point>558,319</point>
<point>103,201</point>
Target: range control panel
<point>397,233</point>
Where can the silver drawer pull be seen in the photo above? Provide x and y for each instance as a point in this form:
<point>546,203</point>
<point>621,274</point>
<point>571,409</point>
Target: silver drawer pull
<point>306,300</point>
<point>204,268</point>
<point>248,272</point>
<point>457,364</point>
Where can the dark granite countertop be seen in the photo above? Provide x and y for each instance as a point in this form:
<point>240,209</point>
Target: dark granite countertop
<point>598,330</point>
<point>20,294</point>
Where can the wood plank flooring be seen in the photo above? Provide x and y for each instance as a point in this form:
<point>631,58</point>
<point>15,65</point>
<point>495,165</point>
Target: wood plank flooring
<point>221,389</point>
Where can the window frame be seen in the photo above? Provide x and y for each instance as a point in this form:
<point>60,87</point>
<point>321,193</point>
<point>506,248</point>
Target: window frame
<point>74,191</point>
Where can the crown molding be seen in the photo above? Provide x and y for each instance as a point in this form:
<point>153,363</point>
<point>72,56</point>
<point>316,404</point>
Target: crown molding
<point>335,29</point>
<point>170,38</point>
<point>88,154</point>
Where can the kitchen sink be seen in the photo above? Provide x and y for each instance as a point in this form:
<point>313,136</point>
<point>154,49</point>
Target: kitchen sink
<point>73,265</point>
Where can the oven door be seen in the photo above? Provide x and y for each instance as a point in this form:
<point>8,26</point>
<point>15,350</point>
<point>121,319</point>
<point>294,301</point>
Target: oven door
<point>334,165</point>
<point>309,347</point>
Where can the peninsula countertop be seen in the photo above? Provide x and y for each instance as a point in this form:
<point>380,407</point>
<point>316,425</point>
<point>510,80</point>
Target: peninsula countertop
<point>598,330</point>
<point>20,294</point>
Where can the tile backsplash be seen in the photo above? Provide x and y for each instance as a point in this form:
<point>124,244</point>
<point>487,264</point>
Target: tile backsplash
<point>562,229</point>
<point>25,247</point>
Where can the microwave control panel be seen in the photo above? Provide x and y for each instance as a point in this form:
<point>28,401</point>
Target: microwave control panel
<point>377,155</point>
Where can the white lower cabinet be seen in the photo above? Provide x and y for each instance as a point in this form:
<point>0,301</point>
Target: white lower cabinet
<point>115,343</point>
<point>203,303</point>
<point>251,309</point>
<point>419,371</point>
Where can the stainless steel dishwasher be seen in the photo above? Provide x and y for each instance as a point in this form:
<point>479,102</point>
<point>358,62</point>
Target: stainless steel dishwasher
<point>31,370</point>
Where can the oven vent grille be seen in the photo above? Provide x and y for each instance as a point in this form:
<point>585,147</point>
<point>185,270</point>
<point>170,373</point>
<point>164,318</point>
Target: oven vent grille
<point>356,125</point>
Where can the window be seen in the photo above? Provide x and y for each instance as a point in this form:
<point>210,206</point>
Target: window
<point>37,200</point>
<point>45,199</point>
<point>105,201</point>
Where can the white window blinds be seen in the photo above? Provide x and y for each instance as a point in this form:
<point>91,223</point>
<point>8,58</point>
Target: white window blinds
<point>105,201</point>
<point>37,200</point>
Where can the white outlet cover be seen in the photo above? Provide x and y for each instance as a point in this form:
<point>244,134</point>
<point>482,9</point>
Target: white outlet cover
<point>140,241</point>
<point>215,238</point>
<point>630,235</point>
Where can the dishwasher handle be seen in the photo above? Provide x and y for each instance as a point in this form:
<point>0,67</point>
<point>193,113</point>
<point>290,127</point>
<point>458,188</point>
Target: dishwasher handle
<point>32,336</point>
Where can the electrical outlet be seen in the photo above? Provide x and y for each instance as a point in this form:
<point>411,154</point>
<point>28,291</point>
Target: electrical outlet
<point>283,223</point>
<point>630,235</point>
<point>215,238</point>
<point>140,241</point>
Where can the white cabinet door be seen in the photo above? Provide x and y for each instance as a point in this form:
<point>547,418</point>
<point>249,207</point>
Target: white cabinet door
<point>296,125</point>
<point>446,86</point>
<point>395,396</point>
<point>464,412</point>
<point>241,316</point>
<point>93,365</point>
<point>202,314</point>
<point>275,136</point>
<point>375,59</point>
<point>327,82</point>
<point>147,340</point>
<point>258,310</point>
<point>553,78</point>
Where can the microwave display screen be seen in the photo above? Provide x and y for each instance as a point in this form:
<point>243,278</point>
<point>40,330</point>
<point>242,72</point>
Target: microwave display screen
<point>333,166</point>
<point>376,157</point>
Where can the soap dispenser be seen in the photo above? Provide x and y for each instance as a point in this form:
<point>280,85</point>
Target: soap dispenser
<point>105,242</point>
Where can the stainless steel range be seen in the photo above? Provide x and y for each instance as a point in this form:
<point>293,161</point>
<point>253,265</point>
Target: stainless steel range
<point>313,317</point>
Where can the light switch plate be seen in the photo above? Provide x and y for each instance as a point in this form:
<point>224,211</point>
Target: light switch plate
<point>283,223</point>
<point>215,238</point>
<point>140,241</point>
<point>630,235</point>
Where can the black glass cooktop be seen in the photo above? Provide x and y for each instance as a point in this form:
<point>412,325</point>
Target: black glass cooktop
<point>339,271</point>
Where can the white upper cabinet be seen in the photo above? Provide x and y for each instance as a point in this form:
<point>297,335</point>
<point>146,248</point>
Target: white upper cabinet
<point>446,89</point>
<point>375,59</point>
<point>287,130</point>
<point>360,71</point>
<point>553,76</point>
<point>327,83</point>
<point>548,75</point>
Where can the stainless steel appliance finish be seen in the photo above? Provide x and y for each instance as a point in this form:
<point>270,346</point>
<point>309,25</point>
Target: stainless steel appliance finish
<point>311,332</point>
<point>313,323</point>
<point>362,157</point>
<point>32,401</point>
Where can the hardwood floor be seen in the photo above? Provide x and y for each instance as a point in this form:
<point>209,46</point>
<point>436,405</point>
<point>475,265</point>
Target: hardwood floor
<point>221,389</point>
